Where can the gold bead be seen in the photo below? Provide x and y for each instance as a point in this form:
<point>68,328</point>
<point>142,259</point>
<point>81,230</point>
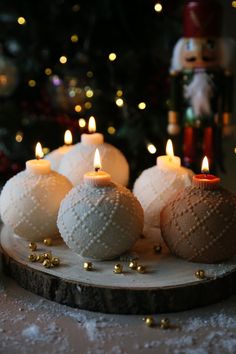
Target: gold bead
<point>88,266</point>
<point>47,241</point>
<point>165,323</point>
<point>47,263</point>
<point>32,246</point>
<point>133,265</point>
<point>141,269</point>
<point>149,321</point>
<point>118,268</point>
<point>40,258</point>
<point>200,274</point>
<point>157,248</point>
<point>48,255</point>
<point>55,261</point>
<point>32,257</point>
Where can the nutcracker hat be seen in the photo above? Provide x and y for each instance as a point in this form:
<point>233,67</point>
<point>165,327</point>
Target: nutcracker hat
<point>202,18</point>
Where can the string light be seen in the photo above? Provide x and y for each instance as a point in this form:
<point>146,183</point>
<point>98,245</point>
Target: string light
<point>74,38</point>
<point>89,93</point>
<point>111,130</point>
<point>89,74</point>
<point>234,4</point>
<point>19,136</point>
<point>112,56</point>
<point>82,122</point>
<point>88,105</point>
<point>21,21</point>
<point>119,102</point>
<point>151,148</point>
<point>48,71</point>
<point>158,7</point>
<point>78,108</point>
<point>63,59</point>
<point>119,93</point>
<point>142,105</point>
<point>46,150</point>
<point>32,83</point>
<point>75,8</point>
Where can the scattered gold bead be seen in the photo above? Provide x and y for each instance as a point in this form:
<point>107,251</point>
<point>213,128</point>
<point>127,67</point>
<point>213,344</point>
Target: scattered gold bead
<point>40,258</point>
<point>165,323</point>
<point>32,246</point>
<point>157,248</point>
<point>149,321</point>
<point>47,241</point>
<point>88,266</point>
<point>48,255</point>
<point>133,265</point>
<point>32,257</point>
<point>47,263</point>
<point>55,261</point>
<point>200,274</point>
<point>118,268</point>
<point>141,269</point>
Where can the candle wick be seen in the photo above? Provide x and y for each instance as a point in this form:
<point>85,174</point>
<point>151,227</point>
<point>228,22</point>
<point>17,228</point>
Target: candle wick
<point>97,169</point>
<point>170,158</point>
<point>37,157</point>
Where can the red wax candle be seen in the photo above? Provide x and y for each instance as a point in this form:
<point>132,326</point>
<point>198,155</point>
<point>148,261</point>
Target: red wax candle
<point>206,180</point>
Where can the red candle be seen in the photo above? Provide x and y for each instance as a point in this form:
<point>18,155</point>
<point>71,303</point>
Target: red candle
<point>206,180</point>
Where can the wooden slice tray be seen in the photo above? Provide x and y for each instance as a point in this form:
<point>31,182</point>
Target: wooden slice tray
<point>168,285</point>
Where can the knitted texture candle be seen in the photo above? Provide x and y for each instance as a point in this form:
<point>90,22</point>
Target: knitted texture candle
<point>100,222</point>
<point>30,201</point>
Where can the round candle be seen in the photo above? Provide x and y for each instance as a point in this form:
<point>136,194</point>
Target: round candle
<point>168,161</point>
<point>97,178</point>
<point>93,138</point>
<point>206,180</point>
<point>38,166</point>
<point>56,155</point>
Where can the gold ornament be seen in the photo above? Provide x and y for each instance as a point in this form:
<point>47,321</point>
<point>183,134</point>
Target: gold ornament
<point>88,266</point>
<point>47,241</point>
<point>165,323</point>
<point>48,255</point>
<point>141,269</point>
<point>118,268</point>
<point>133,265</point>
<point>55,261</point>
<point>40,258</point>
<point>33,246</point>
<point>149,321</point>
<point>200,274</point>
<point>47,263</point>
<point>157,248</point>
<point>32,257</point>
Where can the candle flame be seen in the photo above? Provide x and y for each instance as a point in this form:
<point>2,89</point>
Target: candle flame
<point>39,151</point>
<point>205,165</point>
<point>68,139</point>
<point>97,161</point>
<point>169,149</point>
<point>92,125</point>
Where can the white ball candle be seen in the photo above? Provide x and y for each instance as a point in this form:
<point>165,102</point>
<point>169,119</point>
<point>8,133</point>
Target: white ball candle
<point>99,219</point>
<point>30,200</point>
<point>56,155</point>
<point>80,159</point>
<point>158,184</point>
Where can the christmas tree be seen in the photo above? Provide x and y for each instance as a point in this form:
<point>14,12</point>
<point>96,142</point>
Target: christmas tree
<point>63,61</point>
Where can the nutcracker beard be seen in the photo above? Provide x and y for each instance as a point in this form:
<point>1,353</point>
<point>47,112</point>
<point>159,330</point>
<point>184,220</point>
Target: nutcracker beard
<point>199,92</point>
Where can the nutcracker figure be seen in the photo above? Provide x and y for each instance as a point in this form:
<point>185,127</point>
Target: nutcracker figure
<point>201,84</point>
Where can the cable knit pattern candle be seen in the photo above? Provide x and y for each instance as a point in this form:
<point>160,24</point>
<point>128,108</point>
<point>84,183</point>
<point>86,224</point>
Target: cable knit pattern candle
<point>80,159</point>
<point>30,201</point>
<point>199,224</point>
<point>56,155</point>
<point>158,184</point>
<point>99,219</point>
